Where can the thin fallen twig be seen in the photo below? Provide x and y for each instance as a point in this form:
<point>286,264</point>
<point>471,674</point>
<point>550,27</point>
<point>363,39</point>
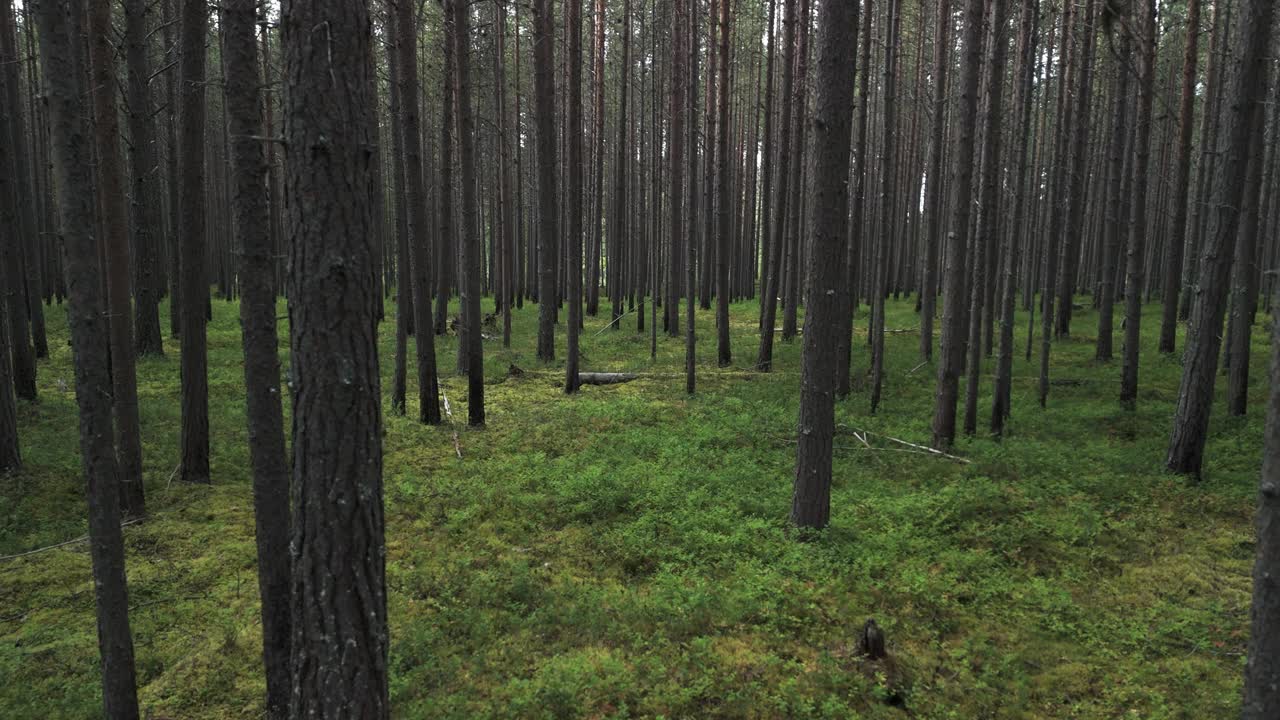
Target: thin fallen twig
<point>925,449</point>
<point>72,541</point>
<point>615,320</point>
<point>448,412</point>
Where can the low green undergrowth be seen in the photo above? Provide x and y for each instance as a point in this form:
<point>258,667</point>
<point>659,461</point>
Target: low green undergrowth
<point>624,553</point>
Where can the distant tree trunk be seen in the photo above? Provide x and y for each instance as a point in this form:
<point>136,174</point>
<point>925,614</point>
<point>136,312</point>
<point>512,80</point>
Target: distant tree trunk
<point>267,452</point>
<point>339,651</point>
<point>470,278</point>
<point>25,231</point>
<point>769,298</point>
<point>1244,88</point>
<point>724,356</point>
<point>987,225</point>
<point>573,273</point>
<point>11,251</point>
<point>1082,93</point>
<point>933,188</point>
<point>853,255</point>
<point>691,164</point>
<point>1181,181</point>
<point>444,252</point>
<point>828,219</point>
<point>416,209</point>
<point>1144,18</point>
<point>961,184</point>
<point>194,285</point>
<point>599,21</point>
<point>114,220</point>
<point>143,182</point>
<point>404,272</point>
<point>1025,78</point>
<point>64,69</point>
<point>1244,281</point>
<point>1116,200</point>
<point>545,112</point>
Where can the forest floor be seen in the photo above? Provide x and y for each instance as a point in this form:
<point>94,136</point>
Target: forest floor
<point>625,553</point>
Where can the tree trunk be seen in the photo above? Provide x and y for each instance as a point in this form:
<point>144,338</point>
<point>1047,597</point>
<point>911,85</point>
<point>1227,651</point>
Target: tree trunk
<point>723,354</point>
<point>545,112</point>
<point>143,181</point>
<point>470,278</point>
<point>1135,271</point>
<point>573,273</point>
<point>12,273</point>
<point>1116,199</point>
<point>63,63</point>
<point>961,184</point>
<point>339,652</point>
<point>258,331</point>
<point>825,305</point>
<point>933,200</point>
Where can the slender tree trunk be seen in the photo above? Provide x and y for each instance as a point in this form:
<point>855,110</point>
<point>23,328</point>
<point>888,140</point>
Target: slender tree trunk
<point>444,248</point>
<point>933,187</point>
<point>267,453</point>
<point>545,112</point>
<point>12,273</point>
<point>416,211</point>
<point>63,64</point>
<point>1144,18</point>
<point>143,177</point>
<point>472,261</point>
<point>889,220</point>
<point>723,354</point>
<point>961,184</point>
<point>573,25</point>
<point>405,305</point>
<point>195,284</point>
<point>1244,286</point>
<point>1116,199</point>
<point>824,305</point>
<point>853,259</point>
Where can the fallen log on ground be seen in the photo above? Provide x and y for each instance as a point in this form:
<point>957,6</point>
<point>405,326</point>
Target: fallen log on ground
<point>605,378</point>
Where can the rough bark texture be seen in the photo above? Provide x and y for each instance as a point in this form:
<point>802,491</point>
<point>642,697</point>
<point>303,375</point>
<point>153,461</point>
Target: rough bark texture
<point>829,135</point>
<point>933,201</point>
<point>11,239</point>
<point>723,354</point>
<point>1244,283</point>
<point>404,274</point>
<point>961,184</point>
<point>573,274</point>
<point>339,609</point>
<point>416,211</point>
<point>73,181</point>
<point>10,455</point>
<point>1204,335</point>
<point>1115,201</point>
<point>194,285</point>
<point>258,330</point>
<point>888,200</point>
<point>1135,269</point>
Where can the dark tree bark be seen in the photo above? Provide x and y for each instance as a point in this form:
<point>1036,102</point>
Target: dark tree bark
<point>853,255</point>
<point>597,216</point>
<point>573,273</point>
<point>444,251</point>
<point>258,331</point>
<point>723,354</point>
<point>144,175</point>
<point>1244,89</point>
<point>889,220</point>
<point>986,225</point>
<point>194,284</point>
<point>545,114</point>
<point>27,227</point>
<point>1116,199</point>
<point>63,63</point>
<point>1178,229</point>
<point>1244,282</point>
<point>419,239</point>
<point>10,453</point>
<point>691,164</point>
<point>470,278</point>
<point>1135,271</point>
<point>11,240</point>
<point>1025,77</point>
<point>933,188</point>
<point>825,308</point>
<point>769,298</point>
<point>404,273</point>
<point>339,619</point>
<point>961,185</point>
<point>114,221</point>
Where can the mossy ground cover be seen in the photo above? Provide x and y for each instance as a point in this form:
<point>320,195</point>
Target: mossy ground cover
<point>624,553</point>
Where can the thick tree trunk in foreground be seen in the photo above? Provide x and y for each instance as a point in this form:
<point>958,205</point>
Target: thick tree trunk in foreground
<point>1244,89</point>
<point>194,285</point>
<point>339,650</point>
<point>72,175</point>
<point>825,306</point>
<point>258,331</point>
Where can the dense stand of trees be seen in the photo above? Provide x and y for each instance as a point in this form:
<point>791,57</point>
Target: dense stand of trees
<point>977,155</point>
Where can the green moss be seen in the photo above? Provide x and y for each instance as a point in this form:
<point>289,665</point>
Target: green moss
<point>624,553</point>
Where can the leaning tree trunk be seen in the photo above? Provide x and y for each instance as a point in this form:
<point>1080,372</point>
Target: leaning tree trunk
<point>72,167</point>
<point>825,306</point>
<point>265,418</point>
<point>339,651</point>
<point>1245,89</point>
